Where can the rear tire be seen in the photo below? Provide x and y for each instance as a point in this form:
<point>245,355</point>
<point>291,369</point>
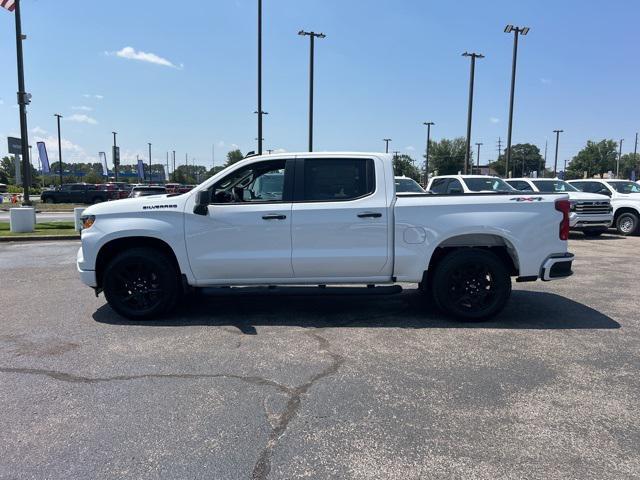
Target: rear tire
<point>471,284</point>
<point>627,223</point>
<point>141,284</point>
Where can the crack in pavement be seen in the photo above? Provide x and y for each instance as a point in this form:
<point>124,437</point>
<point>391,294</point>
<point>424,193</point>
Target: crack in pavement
<point>263,465</point>
<point>71,378</point>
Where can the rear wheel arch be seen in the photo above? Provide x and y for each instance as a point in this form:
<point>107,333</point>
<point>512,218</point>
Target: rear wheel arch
<point>112,248</point>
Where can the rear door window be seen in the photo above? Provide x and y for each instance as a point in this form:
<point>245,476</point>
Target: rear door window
<point>337,179</point>
<point>454,186</point>
<point>439,185</point>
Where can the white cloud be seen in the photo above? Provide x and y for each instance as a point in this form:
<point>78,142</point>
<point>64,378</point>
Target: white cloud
<point>545,81</point>
<point>83,108</point>
<point>410,148</point>
<point>82,118</point>
<point>131,53</point>
<point>70,150</point>
<point>96,96</point>
<point>1,101</point>
<point>38,131</point>
<point>494,119</point>
<point>234,146</point>
<point>279,150</point>
<point>221,143</point>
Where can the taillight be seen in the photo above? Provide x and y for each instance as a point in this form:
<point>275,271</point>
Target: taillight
<point>564,206</point>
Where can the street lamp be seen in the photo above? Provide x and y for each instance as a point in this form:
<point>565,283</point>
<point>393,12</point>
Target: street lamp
<point>58,117</point>
<point>467,151</point>
<point>516,32</point>
<point>386,144</point>
<point>149,163</point>
<point>426,156</point>
<point>555,162</point>
<point>259,111</point>
<point>312,36</point>
<point>619,158</point>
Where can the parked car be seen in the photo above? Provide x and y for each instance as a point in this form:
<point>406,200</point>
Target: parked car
<point>172,187</point>
<point>625,200</point>
<point>458,184</point>
<point>146,190</point>
<point>121,188</point>
<point>407,185</point>
<point>78,193</point>
<point>3,188</point>
<point>185,188</point>
<point>591,213</point>
<point>336,220</point>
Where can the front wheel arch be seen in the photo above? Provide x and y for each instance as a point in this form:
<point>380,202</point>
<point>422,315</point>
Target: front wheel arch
<point>112,248</point>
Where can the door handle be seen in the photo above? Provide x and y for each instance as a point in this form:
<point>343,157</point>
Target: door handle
<point>274,216</point>
<point>369,215</point>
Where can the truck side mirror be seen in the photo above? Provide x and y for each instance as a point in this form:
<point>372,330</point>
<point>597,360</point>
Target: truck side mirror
<point>203,198</point>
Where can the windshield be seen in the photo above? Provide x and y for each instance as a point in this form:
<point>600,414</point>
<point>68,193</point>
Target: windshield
<point>625,187</point>
<point>408,185</point>
<point>491,184</point>
<point>551,186</point>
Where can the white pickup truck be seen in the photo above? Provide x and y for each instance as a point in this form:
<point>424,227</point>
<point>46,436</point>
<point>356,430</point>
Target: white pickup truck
<point>591,213</point>
<point>317,219</point>
<point>625,200</point>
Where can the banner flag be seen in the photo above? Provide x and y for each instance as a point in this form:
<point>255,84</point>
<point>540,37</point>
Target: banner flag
<point>140,169</point>
<point>103,160</point>
<point>44,158</point>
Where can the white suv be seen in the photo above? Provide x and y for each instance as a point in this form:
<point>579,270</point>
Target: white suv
<point>625,200</point>
<point>458,184</point>
<point>591,213</point>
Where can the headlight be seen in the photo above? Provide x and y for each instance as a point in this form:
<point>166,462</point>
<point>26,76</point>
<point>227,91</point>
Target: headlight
<point>87,221</point>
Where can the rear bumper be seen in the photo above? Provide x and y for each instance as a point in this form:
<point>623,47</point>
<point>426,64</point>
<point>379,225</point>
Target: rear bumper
<point>557,266</point>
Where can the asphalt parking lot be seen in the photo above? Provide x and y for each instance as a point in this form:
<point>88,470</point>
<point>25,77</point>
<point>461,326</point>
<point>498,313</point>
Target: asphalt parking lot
<point>291,384</point>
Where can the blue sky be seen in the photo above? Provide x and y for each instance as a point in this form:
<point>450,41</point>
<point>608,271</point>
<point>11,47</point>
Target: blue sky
<point>383,69</point>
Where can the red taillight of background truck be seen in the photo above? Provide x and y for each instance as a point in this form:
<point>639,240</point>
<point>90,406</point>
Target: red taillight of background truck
<point>564,206</point>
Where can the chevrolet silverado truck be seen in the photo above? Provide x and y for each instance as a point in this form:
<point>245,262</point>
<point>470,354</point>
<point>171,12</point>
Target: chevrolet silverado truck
<point>625,200</point>
<point>318,219</point>
<point>591,213</point>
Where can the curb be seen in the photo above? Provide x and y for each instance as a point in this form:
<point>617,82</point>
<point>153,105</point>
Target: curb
<point>36,238</point>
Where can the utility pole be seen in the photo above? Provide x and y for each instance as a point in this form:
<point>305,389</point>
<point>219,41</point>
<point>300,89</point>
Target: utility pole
<point>24,99</point>
<point>517,31</point>
<point>426,156</point>
<point>635,152</point>
<point>386,144</point>
<point>174,163</point>
<point>259,112</point>
<point>478,160</point>
<point>167,173</point>
<point>619,157</point>
<point>544,166</point>
<point>150,175</point>
<point>467,151</point>
<point>58,117</point>
<point>312,36</point>
<point>555,163</point>
<point>115,161</point>
<point>395,154</point>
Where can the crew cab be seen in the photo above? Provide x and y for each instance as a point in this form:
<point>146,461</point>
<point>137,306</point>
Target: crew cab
<point>318,219</point>
<point>407,185</point>
<point>457,184</point>
<point>625,200</point>
<point>78,193</point>
<point>591,213</point>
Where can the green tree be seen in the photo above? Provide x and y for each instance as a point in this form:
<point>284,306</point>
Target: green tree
<point>525,159</point>
<point>233,156</point>
<point>629,163</point>
<point>404,165</point>
<point>595,159</point>
<point>8,171</point>
<point>447,156</point>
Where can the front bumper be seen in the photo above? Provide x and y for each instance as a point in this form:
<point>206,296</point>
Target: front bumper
<point>88,277</point>
<point>581,220</point>
<point>557,266</point>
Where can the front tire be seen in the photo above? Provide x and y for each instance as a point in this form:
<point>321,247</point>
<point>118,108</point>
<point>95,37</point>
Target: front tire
<point>627,223</point>
<point>141,284</point>
<point>471,284</point>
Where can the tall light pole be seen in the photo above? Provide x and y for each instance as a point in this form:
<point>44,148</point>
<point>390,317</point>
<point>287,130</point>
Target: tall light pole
<point>386,144</point>
<point>149,163</point>
<point>426,154</point>
<point>467,151</point>
<point>478,160</point>
<point>58,117</point>
<point>115,161</point>
<point>312,36</point>
<point>174,164</point>
<point>619,157</point>
<point>635,152</point>
<point>555,162</point>
<point>516,32</point>
<point>23,101</point>
<point>259,111</point>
